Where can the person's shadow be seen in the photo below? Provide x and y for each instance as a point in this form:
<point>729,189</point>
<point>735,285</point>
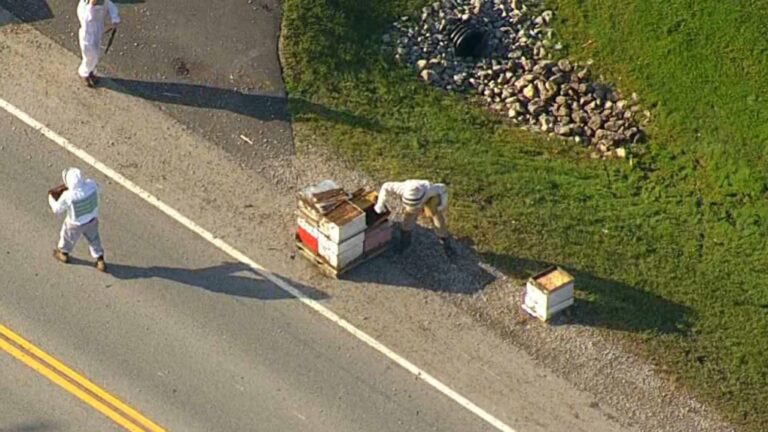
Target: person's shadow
<point>229,278</point>
<point>425,265</point>
<point>261,107</point>
<point>27,10</point>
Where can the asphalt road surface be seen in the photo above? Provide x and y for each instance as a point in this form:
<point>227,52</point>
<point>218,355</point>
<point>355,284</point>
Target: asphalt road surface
<point>29,403</point>
<point>177,330</point>
<point>212,65</point>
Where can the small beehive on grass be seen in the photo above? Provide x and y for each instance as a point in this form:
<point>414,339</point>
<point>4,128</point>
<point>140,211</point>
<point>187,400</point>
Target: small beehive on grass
<point>548,293</point>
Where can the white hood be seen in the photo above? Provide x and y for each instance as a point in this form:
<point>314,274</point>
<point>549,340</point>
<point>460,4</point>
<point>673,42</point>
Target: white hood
<point>72,177</point>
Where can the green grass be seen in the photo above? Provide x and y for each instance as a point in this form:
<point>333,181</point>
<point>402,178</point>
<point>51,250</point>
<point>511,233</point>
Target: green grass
<point>669,250</point>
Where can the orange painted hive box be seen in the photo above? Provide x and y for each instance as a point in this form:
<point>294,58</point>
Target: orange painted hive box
<point>308,234</point>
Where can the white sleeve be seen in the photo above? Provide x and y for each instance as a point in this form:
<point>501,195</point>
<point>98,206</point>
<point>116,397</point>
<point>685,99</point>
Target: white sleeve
<point>60,206</point>
<point>443,192</point>
<point>114,14</point>
<point>386,190</point>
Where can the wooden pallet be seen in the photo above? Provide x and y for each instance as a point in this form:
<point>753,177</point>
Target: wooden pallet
<point>328,269</point>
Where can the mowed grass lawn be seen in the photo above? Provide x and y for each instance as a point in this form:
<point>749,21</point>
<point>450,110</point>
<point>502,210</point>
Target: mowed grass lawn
<point>670,249</point>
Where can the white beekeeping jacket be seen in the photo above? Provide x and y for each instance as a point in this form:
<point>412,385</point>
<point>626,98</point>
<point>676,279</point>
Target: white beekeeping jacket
<point>80,201</point>
<point>426,190</point>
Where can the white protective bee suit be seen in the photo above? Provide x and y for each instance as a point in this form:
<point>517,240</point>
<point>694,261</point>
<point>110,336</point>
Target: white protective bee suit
<point>417,196</point>
<point>80,202</point>
<point>92,15</point>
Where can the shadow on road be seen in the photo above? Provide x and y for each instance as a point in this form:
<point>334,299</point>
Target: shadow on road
<point>229,278</point>
<point>28,10</point>
<point>28,427</point>
<point>261,107</point>
<point>425,266</point>
<point>607,303</point>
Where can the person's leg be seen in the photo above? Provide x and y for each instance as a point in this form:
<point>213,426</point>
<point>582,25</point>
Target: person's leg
<point>91,233</point>
<point>68,238</point>
<point>409,223</point>
<point>90,44</point>
<point>439,224</point>
<point>88,65</point>
<point>85,67</point>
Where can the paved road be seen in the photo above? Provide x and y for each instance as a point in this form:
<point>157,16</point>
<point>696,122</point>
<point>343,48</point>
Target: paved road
<point>28,403</point>
<point>212,65</point>
<point>190,339</point>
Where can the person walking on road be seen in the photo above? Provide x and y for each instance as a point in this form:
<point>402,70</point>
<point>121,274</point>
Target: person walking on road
<point>92,14</point>
<point>78,197</point>
<point>417,197</point>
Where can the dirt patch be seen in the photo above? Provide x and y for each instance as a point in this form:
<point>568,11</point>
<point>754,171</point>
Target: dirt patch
<point>180,67</point>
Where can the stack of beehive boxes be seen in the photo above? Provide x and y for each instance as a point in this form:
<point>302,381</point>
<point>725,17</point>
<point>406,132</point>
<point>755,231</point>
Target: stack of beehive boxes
<point>340,228</point>
<point>378,228</point>
<point>548,293</point>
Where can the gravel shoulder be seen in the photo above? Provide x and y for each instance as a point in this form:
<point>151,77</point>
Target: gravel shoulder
<point>460,323</point>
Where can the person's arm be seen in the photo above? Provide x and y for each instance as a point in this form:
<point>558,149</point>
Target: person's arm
<point>61,205</point>
<point>114,14</point>
<point>381,204</point>
<point>443,193</point>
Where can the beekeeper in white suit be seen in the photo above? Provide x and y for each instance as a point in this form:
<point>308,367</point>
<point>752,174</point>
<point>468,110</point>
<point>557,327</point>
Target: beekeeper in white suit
<point>417,197</point>
<point>80,201</point>
<point>92,15</point>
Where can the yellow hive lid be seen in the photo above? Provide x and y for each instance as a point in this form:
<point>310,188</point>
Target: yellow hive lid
<point>552,279</point>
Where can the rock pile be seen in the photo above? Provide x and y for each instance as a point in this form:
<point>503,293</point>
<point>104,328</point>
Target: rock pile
<point>516,74</point>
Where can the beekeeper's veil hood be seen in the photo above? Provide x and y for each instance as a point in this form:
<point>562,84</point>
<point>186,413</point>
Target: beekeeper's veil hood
<point>414,194</point>
<point>72,177</point>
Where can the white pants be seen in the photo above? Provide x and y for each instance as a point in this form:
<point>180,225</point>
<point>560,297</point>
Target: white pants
<point>71,233</point>
<point>91,30</point>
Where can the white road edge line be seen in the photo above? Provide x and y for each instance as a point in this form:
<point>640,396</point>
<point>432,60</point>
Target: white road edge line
<point>234,253</point>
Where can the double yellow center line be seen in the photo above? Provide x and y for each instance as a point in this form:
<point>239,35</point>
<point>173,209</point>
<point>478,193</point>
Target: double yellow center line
<point>74,383</point>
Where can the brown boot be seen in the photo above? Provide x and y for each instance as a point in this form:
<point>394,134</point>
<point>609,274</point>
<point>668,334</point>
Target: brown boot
<point>450,252</point>
<point>100,264</point>
<point>61,256</point>
<point>87,81</point>
<point>94,79</point>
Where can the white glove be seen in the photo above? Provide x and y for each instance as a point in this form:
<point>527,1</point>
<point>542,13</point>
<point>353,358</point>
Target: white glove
<point>380,208</point>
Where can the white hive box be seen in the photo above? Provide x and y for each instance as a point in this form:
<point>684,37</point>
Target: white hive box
<point>338,255</point>
<point>343,222</point>
<point>548,293</point>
